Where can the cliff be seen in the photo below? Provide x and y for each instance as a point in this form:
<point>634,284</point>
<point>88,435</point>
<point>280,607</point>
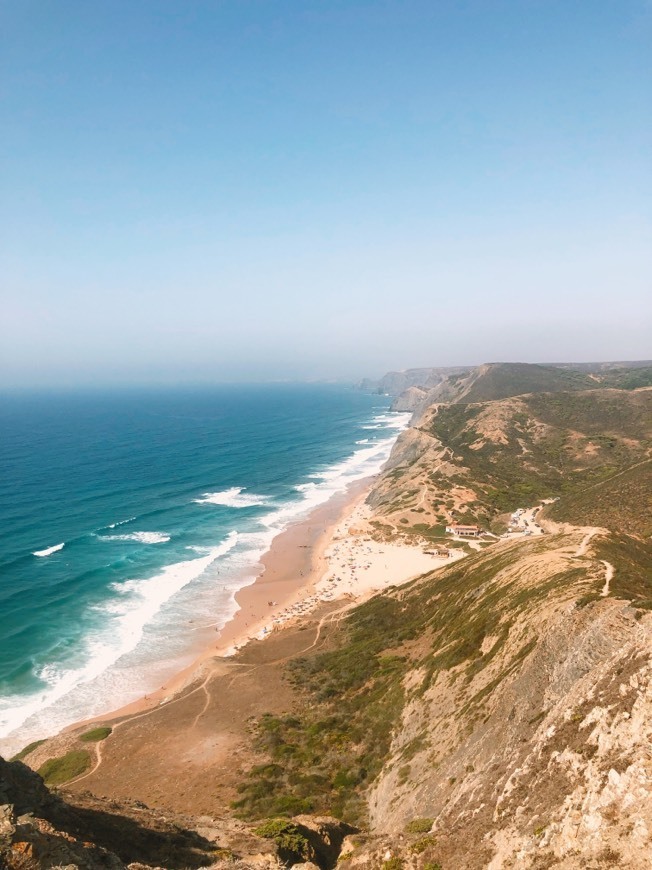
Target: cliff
<point>394,383</point>
<point>493,381</point>
<point>494,713</point>
<point>503,704</point>
<point>479,461</point>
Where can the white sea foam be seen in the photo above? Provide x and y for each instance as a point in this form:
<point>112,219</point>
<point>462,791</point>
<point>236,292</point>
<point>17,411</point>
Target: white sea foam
<point>141,537</point>
<point>232,497</point>
<point>364,462</point>
<point>363,441</point>
<point>122,629</point>
<point>136,646</point>
<point>49,550</point>
<point>121,523</point>
<point>393,419</point>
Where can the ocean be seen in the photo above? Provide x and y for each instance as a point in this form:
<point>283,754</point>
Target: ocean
<point>128,521</point>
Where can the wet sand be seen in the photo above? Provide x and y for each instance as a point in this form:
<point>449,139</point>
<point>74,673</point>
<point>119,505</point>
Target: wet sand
<point>291,568</point>
<point>329,555</point>
<point>193,731</point>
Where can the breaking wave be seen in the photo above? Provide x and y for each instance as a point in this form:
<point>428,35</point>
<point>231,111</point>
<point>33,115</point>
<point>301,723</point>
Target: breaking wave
<point>49,550</point>
<point>232,497</point>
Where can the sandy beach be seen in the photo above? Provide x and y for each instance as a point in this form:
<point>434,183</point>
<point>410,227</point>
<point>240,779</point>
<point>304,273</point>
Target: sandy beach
<point>192,730</point>
<point>328,556</point>
<point>340,560</point>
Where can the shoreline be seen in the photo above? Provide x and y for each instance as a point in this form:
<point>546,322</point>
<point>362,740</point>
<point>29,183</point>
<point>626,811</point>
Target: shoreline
<point>291,569</point>
<point>327,556</point>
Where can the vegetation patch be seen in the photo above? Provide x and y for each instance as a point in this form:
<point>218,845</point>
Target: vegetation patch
<point>56,771</point>
<point>419,826</point>
<point>290,841</point>
<point>513,379</point>
<point>324,758</point>
<point>96,734</point>
<point>419,846</point>
<point>617,502</point>
<point>554,444</point>
<point>27,750</point>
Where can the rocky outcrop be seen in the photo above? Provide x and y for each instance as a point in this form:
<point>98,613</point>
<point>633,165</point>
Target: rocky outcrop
<point>325,836</point>
<point>22,788</point>
<point>40,830</point>
<point>411,399</point>
<point>29,843</point>
<point>28,840</point>
<point>395,383</point>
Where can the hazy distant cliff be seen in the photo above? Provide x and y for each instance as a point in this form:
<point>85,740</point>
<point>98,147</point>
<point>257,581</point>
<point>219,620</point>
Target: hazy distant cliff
<point>416,389</point>
<point>394,383</point>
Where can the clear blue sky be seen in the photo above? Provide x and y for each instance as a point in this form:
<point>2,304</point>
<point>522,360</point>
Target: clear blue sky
<point>197,190</point>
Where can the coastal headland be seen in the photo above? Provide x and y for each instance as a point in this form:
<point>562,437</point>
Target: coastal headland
<point>452,658</point>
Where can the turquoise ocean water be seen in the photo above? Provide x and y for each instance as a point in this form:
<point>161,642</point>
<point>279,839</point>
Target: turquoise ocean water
<point>128,520</point>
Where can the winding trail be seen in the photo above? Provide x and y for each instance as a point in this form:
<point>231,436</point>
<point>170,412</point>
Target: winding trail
<point>332,617</point>
<point>207,704</point>
<point>608,576</point>
<point>609,569</point>
<point>339,613</point>
<point>422,496</point>
<point>143,715</point>
<point>586,540</point>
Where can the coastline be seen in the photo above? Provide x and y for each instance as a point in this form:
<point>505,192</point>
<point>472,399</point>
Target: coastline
<point>194,726</point>
<point>327,556</point>
<point>291,569</point>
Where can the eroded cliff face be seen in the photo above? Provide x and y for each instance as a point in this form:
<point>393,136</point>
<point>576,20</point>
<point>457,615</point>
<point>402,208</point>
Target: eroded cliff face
<point>421,482</point>
<point>394,383</point>
<point>533,751</point>
<point>523,737</point>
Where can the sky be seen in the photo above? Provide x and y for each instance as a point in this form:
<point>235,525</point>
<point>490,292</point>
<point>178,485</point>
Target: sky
<point>219,190</point>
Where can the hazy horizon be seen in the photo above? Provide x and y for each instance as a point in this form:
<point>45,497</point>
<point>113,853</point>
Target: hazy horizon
<point>197,192</point>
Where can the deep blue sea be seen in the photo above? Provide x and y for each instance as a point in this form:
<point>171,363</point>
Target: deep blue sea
<point>128,520</point>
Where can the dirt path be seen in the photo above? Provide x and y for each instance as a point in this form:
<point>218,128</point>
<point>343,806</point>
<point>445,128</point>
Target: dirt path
<point>422,496</point>
<point>586,540</point>
<point>130,719</point>
<point>330,617</point>
<point>246,670</point>
<point>608,576</point>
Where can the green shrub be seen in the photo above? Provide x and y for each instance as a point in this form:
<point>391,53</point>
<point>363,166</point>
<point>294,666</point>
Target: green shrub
<point>287,837</point>
<point>393,864</point>
<point>56,771</point>
<point>96,734</point>
<point>419,826</point>
<point>403,774</point>
<point>422,844</point>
